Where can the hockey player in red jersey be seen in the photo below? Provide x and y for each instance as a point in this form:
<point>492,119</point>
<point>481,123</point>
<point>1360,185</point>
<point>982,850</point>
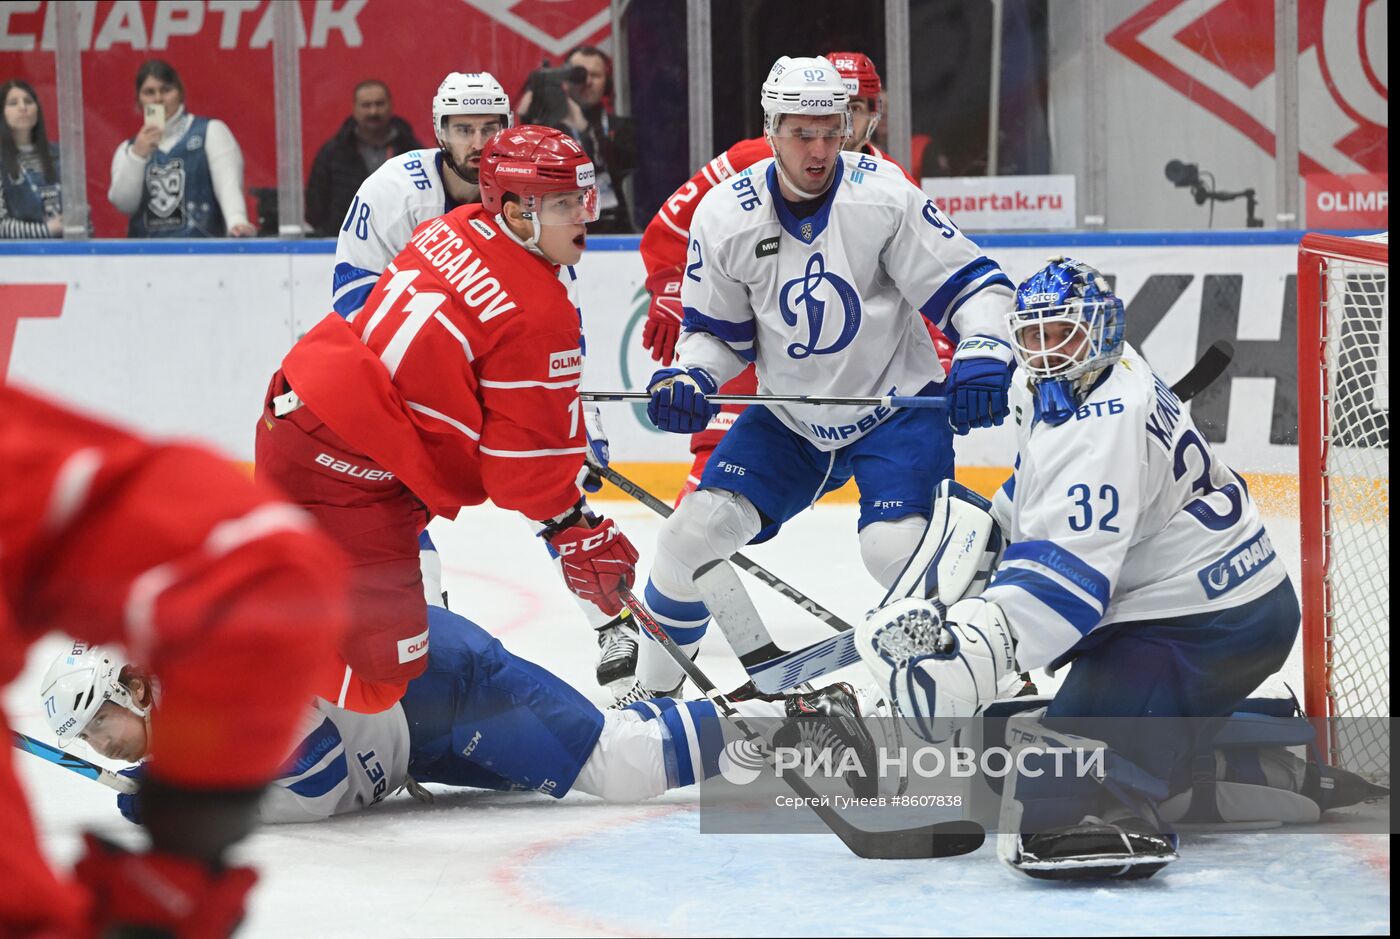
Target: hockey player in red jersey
<point>457,382</point>
<point>228,592</point>
<point>667,236</point>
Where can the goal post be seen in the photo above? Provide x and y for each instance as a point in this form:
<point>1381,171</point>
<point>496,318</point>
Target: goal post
<point>1344,494</point>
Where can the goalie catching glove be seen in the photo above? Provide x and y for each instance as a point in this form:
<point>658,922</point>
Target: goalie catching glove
<point>939,668</point>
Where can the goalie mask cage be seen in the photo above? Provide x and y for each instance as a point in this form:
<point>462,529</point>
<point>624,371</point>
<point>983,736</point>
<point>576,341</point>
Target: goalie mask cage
<point>1344,494</point>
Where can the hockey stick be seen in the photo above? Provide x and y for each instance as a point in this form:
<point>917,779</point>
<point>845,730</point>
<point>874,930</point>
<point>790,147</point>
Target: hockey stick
<point>1206,370</point>
<point>72,762</point>
<point>1210,366</point>
<point>888,401</point>
<point>745,564</point>
<point>940,839</point>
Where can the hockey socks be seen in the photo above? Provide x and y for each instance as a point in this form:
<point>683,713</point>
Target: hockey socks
<point>691,734</point>
<point>685,621</point>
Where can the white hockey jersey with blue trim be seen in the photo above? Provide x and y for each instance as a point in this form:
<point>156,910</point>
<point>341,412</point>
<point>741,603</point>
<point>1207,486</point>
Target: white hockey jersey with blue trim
<point>396,198</point>
<point>830,304</point>
<point>1122,513</point>
<point>345,761</point>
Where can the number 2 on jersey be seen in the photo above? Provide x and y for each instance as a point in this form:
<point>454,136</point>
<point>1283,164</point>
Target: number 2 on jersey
<point>692,270</point>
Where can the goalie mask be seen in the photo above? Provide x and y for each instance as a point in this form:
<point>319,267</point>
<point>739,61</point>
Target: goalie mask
<point>77,684</point>
<point>1066,328</point>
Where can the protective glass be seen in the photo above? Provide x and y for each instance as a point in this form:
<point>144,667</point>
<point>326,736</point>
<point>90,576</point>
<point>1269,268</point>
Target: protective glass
<point>574,207</point>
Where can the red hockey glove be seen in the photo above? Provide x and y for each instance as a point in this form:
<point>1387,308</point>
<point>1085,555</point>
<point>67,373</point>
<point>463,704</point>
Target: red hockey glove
<point>596,561</point>
<point>165,894</point>
<point>663,326</point>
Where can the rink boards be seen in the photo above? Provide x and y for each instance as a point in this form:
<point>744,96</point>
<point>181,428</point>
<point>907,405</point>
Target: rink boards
<point>179,338</point>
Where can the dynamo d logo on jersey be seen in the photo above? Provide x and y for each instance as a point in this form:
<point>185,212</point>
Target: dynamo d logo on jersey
<point>808,291</point>
<point>1238,566</point>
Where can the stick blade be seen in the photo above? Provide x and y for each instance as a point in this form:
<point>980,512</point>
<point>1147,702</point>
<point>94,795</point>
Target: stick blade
<point>1210,367</point>
<point>941,839</point>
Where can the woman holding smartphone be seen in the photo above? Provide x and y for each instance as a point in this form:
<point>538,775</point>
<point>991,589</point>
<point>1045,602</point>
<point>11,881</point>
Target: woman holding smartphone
<point>180,176</point>
<point>30,199</point>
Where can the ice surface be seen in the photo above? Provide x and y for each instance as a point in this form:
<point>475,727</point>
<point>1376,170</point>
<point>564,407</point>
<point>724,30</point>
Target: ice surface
<point>479,863</point>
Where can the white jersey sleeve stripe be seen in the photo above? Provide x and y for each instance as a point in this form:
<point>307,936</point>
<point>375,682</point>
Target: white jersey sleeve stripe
<point>673,226</point>
<point>71,486</point>
<point>569,383</point>
<point>438,415</point>
<point>526,454</point>
<point>446,324</point>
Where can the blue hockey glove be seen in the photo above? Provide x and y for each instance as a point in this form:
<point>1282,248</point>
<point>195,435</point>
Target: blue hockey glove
<point>678,400</point>
<point>130,804</point>
<point>979,382</point>
<point>597,456</point>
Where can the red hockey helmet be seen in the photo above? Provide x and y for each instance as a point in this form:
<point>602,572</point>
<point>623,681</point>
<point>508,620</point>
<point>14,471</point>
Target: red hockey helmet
<point>531,162</point>
<point>859,75</point>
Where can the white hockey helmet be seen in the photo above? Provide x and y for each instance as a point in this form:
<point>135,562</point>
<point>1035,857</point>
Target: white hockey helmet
<point>76,685</point>
<point>469,93</point>
<point>804,85</point>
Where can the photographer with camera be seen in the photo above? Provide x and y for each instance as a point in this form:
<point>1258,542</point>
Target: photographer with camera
<point>575,98</point>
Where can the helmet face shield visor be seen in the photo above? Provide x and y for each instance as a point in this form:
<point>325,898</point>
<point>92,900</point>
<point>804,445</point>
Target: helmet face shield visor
<point>811,126</point>
<point>573,207</point>
<point>471,130</point>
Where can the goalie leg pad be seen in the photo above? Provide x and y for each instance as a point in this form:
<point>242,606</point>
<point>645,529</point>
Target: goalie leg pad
<point>957,552</point>
<point>1080,811</point>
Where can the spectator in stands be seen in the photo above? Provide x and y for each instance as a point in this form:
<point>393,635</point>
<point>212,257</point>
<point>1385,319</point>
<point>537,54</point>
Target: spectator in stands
<point>371,135</point>
<point>30,199</point>
<point>608,138</point>
<point>180,176</point>
<point>580,106</point>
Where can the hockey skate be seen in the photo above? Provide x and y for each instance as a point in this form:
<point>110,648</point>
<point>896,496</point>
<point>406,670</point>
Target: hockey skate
<point>1127,849</point>
<point>617,654</point>
<point>826,723</point>
<point>635,692</point>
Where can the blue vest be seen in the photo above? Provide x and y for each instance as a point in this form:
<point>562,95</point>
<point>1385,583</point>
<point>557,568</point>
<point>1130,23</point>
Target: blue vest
<point>177,200</point>
<point>31,198</point>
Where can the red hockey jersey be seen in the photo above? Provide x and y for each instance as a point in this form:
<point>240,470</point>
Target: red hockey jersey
<point>460,373</point>
<point>208,579</point>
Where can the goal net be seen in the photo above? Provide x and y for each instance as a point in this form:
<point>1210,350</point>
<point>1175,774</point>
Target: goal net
<point>1344,480</point>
